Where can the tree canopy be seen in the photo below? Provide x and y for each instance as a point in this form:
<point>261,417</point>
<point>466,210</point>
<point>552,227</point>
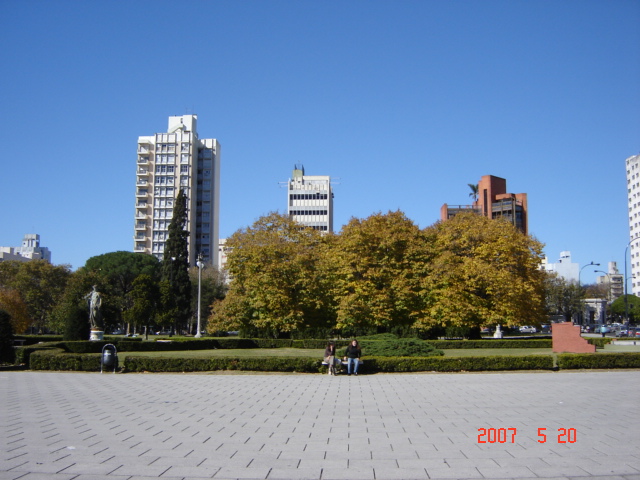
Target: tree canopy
<point>383,273</point>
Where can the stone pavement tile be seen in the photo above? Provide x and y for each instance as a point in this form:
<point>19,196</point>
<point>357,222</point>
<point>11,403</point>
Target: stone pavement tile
<point>562,470</point>
<point>404,453</point>
<point>148,470</point>
<point>358,454</point>
<point>35,476</point>
<point>190,472</point>
<point>332,463</point>
<point>610,469</point>
<point>332,473</point>
<point>382,464</point>
<point>246,473</point>
<point>401,474</point>
<point>295,474</point>
<point>453,473</point>
<point>505,472</point>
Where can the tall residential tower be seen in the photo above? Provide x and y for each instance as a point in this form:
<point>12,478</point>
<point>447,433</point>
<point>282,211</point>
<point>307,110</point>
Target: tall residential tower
<point>310,200</point>
<point>176,160</point>
<point>633,197</point>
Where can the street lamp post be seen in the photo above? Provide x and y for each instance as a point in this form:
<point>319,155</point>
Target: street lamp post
<point>604,315</point>
<point>200,265</point>
<point>592,264</point>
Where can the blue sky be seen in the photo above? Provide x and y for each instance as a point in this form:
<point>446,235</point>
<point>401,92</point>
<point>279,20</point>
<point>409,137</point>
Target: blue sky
<point>404,103</point>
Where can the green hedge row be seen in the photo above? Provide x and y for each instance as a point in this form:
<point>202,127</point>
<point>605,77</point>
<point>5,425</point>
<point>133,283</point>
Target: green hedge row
<point>272,364</point>
<point>58,359</point>
<point>601,360</point>
<point>495,343</point>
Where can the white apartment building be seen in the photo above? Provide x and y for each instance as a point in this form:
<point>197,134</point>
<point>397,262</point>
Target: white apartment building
<point>564,267</point>
<point>613,281</point>
<point>310,200</point>
<point>170,161</point>
<point>30,250</point>
<point>633,197</point>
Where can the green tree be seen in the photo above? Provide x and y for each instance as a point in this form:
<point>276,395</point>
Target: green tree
<point>117,272</point>
<point>562,297</point>
<point>484,272</point>
<point>12,303</point>
<point>278,283</point>
<point>7,354</point>
<point>175,264</point>
<point>76,324</point>
<point>40,284</point>
<point>619,308</point>
<point>72,300</point>
<point>145,296</point>
<point>376,281</point>
<point>213,287</point>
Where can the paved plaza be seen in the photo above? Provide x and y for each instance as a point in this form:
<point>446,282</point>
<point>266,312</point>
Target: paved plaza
<point>79,426</point>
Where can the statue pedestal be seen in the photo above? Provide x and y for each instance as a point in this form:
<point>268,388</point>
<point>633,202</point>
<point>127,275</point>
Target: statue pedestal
<point>96,335</point>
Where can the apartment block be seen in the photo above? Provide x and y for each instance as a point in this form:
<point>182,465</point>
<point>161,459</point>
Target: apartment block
<point>29,250</point>
<point>633,200</point>
<point>310,200</point>
<point>169,162</point>
<point>494,202</point>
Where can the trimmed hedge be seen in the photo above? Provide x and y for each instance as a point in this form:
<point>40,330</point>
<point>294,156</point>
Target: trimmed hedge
<point>497,343</point>
<point>600,360</point>
<point>58,359</point>
<point>273,364</point>
<point>457,364</point>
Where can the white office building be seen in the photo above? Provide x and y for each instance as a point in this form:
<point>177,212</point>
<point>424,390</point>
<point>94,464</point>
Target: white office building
<point>310,200</point>
<point>29,250</point>
<point>564,267</point>
<point>633,197</point>
<point>170,161</point>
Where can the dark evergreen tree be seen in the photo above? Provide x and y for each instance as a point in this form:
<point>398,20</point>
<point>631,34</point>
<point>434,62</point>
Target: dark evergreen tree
<point>7,354</point>
<point>77,323</point>
<point>175,264</point>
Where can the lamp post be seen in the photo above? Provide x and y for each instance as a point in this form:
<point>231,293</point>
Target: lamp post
<point>592,264</point>
<point>608,294</point>
<point>200,265</point>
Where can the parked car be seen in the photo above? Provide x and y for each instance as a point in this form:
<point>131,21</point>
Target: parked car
<point>528,329</point>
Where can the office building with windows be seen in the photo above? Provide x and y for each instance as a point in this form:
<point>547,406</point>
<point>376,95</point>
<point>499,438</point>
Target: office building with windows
<point>633,198</point>
<point>29,250</point>
<point>169,162</point>
<point>310,200</point>
<point>493,201</point>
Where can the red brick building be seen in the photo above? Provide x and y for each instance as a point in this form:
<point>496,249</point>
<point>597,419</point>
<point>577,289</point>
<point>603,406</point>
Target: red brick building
<point>494,202</point>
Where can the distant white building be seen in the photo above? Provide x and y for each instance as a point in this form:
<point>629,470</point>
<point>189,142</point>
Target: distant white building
<point>310,200</point>
<point>565,268</point>
<point>613,281</point>
<point>30,250</point>
<point>223,250</point>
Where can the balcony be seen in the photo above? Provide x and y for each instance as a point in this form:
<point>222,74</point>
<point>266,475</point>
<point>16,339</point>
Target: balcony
<point>140,236</point>
<point>141,215</point>
<point>142,193</point>
<point>143,159</point>
<point>142,171</point>
<point>139,248</point>
<point>141,205</point>
<point>141,226</point>
<point>142,182</point>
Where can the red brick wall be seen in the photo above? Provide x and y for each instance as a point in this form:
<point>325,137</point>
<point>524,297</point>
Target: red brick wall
<point>566,338</point>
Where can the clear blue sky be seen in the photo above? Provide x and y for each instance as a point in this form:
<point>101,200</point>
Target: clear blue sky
<point>403,102</point>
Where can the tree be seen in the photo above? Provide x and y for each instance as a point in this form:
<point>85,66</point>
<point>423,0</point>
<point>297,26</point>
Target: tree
<point>145,296</point>
<point>376,282</point>
<point>483,272</point>
<point>619,308</point>
<point>118,270</point>
<point>175,263</point>
<point>76,326</point>
<point>278,283</point>
<point>73,301</point>
<point>562,297</point>
<point>12,303</point>
<point>40,284</point>
<point>474,191</point>
<point>7,354</point>
<point>212,288</point>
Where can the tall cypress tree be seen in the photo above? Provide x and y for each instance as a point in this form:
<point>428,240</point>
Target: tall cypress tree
<point>175,263</point>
